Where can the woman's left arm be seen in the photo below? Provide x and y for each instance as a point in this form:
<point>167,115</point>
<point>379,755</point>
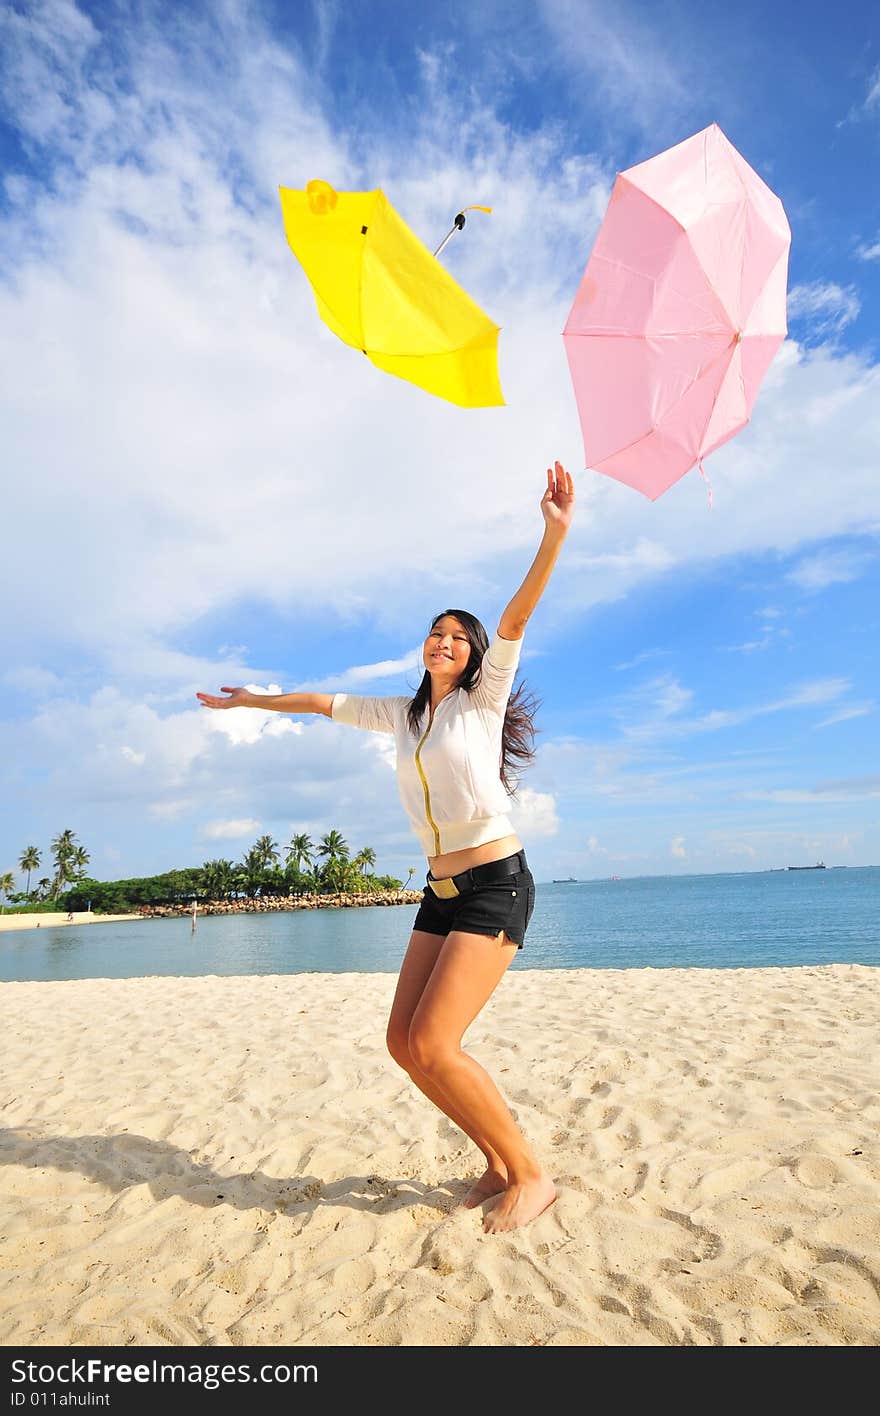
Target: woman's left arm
<point>557,506</point>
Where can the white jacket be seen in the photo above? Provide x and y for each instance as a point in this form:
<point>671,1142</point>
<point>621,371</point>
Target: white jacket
<point>449,773</point>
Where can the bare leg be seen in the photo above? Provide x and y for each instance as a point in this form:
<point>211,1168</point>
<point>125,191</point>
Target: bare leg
<point>466,973</point>
<point>421,956</point>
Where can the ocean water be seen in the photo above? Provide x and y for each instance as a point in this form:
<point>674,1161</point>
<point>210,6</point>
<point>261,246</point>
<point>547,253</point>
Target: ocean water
<point>748,920</point>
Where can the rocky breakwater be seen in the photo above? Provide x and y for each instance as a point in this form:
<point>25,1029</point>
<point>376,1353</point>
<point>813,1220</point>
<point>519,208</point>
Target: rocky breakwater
<point>271,904</point>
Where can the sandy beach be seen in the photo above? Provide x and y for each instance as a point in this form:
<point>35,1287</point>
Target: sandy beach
<point>52,919</point>
<point>230,1161</point>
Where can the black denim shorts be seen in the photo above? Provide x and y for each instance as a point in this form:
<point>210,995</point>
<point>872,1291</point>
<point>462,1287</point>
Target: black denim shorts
<point>485,909</point>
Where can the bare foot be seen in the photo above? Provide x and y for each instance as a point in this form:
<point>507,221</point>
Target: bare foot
<point>491,1182</point>
<point>520,1204</point>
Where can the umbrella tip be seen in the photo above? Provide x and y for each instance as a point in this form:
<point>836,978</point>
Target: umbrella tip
<point>322,197</point>
<point>706,480</point>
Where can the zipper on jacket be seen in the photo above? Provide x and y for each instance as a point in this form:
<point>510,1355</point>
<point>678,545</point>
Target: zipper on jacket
<point>421,771</point>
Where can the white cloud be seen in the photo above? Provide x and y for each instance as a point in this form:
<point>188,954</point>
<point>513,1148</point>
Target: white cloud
<point>805,696</point>
<point>653,714</point>
<point>169,809</point>
<point>827,308</point>
<point>770,631</point>
<point>855,710</point>
<point>641,658</point>
<point>847,789</point>
<point>384,747</point>
<point>648,708</point>
<point>41,50</point>
<point>644,556</point>
<point>32,679</point>
<point>671,697</point>
<point>869,252</point>
<point>816,572</point>
<point>368,673</point>
<point>634,66</point>
<point>869,105</point>
<point>230,830</point>
<point>677,848</point>
<point>248,725</point>
<point>815,691</point>
<point>750,645</point>
<point>533,813</point>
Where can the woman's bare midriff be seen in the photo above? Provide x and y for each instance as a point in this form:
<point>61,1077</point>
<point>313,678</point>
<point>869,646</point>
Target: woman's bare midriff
<point>454,862</point>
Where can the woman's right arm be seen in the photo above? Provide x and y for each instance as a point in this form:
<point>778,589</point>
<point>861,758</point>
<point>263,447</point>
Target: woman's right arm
<point>274,702</point>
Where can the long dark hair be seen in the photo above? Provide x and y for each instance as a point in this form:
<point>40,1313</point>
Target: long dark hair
<point>518,733</point>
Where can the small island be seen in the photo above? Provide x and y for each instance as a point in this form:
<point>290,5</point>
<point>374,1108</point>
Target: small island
<point>312,875</point>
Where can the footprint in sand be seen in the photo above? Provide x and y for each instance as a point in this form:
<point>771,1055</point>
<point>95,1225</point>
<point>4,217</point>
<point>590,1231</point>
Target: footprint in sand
<point>450,1249</point>
<point>817,1172</point>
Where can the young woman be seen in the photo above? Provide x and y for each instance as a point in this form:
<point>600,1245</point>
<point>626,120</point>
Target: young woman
<point>457,743</point>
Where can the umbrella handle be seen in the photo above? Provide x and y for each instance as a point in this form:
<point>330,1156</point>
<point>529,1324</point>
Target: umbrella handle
<point>458,224</point>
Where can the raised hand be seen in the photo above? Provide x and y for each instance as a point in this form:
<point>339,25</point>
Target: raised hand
<point>557,503</point>
<point>238,698</point>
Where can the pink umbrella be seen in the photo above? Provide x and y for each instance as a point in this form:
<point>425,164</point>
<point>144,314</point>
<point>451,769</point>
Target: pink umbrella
<point>679,313</point>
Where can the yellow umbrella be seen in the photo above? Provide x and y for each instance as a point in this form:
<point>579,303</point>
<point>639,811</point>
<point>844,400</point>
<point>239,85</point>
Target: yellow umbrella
<point>381,291</point>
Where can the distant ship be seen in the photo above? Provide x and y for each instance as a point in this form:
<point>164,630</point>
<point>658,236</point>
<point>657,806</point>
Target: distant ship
<point>820,865</point>
<point>570,881</point>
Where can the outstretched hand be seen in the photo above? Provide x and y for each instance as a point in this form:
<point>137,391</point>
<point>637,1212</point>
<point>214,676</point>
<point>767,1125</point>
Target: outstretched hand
<point>557,503</point>
<point>238,698</point>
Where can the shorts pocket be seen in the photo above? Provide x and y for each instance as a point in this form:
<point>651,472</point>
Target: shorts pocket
<point>490,909</point>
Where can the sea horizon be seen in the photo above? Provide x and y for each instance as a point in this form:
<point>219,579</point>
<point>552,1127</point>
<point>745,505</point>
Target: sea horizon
<point>732,919</point>
<point>697,874</point>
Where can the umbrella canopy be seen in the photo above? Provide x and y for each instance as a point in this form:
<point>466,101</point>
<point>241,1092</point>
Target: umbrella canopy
<point>381,291</point>
<point>679,313</point>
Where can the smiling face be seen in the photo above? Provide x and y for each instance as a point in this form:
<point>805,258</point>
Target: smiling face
<point>446,650</point>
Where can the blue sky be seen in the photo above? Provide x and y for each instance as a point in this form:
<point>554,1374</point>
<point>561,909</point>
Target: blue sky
<point>201,485</point>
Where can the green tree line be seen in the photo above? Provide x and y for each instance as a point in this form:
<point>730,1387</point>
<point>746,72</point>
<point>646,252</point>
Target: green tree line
<point>302,867</point>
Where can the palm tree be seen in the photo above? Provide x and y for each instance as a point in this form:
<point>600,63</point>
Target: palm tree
<point>225,877</point>
<point>217,879</point>
<point>238,884</point>
<point>266,851</point>
<point>412,871</point>
<point>298,853</point>
<point>301,849</point>
<point>63,848</point>
<point>335,848</point>
<point>44,888</point>
<point>209,879</point>
<point>365,857</point>
<point>333,845</point>
<point>252,871</point>
<point>29,860</point>
<point>79,860</point>
<point>7,883</point>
